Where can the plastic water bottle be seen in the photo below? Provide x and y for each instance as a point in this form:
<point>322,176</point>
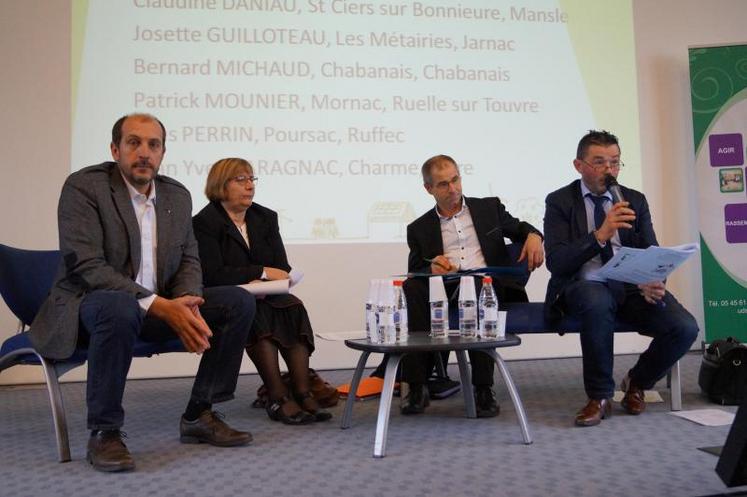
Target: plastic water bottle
<point>467,307</point>
<point>385,312</point>
<point>372,325</point>
<point>488,310</point>
<point>439,318</point>
<point>439,307</point>
<point>400,311</point>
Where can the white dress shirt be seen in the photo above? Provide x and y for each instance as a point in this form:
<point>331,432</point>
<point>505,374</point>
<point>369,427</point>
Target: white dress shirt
<point>595,262</point>
<point>459,237</point>
<point>145,212</point>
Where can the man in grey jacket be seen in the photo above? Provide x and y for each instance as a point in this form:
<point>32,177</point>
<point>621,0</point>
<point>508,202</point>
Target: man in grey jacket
<point>130,269</point>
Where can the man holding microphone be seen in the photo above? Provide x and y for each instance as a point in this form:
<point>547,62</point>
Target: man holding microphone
<point>584,227</point>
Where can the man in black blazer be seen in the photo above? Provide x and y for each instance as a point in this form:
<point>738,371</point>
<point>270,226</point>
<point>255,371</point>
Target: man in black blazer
<point>459,233</point>
<point>583,229</point>
<point>130,269</point>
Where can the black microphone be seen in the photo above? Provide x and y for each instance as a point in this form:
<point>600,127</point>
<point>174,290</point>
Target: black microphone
<point>614,188</point>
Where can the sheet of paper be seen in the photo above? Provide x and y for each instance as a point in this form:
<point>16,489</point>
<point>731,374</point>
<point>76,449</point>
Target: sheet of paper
<point>275,287</point>
<point>637,266</point>
<point>706,417</point>
<point>296,277</point>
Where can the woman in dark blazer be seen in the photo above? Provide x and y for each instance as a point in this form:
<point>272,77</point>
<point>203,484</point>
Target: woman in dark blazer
<point>240,242</point>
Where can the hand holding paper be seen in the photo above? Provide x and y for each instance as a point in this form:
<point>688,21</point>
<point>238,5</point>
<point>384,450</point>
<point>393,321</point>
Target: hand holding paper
<point>652,292</point>
<point>639,266</point>
<point>274,287</point>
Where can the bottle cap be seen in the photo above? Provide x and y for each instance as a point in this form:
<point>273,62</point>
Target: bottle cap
<point>436,290</point>
<point>466,288</point>
<point>397,282</point>
<point>487,279</point>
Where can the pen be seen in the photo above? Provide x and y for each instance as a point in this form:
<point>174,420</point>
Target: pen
<point>433,261</point>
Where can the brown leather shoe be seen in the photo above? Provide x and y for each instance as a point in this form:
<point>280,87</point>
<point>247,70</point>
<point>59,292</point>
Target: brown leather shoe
<point>210,428</point>
<point>633,402</point>
<point>107,452</point>
<point>594,412</point>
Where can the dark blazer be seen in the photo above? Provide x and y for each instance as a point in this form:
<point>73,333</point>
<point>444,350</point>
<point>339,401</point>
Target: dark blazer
<point>225,257</point>
<point>568,243</point>
<point>100,245</point>
<point>492,223</point>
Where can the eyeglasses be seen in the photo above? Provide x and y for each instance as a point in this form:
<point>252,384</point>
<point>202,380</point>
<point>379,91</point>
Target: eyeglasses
<point>242,179</point>
<point>444,185</point>
<point>600,164</point>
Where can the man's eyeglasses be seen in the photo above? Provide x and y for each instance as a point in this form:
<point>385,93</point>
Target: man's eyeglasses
<point>242,179</point>
<point>600,164</point>
<point>444,185</point>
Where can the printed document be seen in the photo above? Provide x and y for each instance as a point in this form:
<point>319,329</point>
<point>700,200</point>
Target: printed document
<point>637,266</point>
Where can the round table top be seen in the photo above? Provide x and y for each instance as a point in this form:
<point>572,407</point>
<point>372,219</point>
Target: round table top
<point>422,342</point>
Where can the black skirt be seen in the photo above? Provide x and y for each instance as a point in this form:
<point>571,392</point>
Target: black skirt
<point>282,319</point>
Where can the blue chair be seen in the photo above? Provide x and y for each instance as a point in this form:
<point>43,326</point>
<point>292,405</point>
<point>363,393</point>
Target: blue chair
<point>25,279</point>
<point>528,317</point>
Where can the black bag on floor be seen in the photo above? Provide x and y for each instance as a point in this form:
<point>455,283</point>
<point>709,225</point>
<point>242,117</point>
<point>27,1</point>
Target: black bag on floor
<point>723,372</point>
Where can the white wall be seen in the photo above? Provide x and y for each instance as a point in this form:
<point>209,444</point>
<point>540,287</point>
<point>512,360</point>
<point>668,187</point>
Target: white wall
<point>35,126</point>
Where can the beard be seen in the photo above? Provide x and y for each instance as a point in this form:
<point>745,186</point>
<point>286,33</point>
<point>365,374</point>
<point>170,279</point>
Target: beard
<point>139,177</point>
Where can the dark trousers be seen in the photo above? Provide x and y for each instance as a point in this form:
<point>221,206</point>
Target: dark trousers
<point>417,367</point>
<point>110,321</point>
<point>671,326</point>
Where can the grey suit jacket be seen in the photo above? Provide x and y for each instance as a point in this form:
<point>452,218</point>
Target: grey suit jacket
<point>100,245</point>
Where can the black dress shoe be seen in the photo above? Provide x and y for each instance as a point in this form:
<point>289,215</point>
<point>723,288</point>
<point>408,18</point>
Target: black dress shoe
<point>485,403</point>
<point>275,412</point>
<point>309,404</point>
<point>210,428</point>
<point>416,400</point>
<point>107,452</point>
<point>441,387</point>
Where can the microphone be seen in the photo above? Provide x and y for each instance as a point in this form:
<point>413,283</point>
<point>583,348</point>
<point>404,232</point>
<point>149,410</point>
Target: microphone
<point>614,188</point>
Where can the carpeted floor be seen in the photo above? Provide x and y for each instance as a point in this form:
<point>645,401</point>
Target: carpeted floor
<point>439,453</point>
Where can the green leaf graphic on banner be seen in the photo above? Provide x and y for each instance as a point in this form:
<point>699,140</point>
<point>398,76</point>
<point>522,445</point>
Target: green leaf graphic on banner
<point>716,74</point>
<point>722,297</point>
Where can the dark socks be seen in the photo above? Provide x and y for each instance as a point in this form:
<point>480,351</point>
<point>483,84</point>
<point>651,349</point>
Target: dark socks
<point>195,408</point>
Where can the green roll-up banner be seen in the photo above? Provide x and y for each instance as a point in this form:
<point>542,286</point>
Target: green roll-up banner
<point>718,88</point>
